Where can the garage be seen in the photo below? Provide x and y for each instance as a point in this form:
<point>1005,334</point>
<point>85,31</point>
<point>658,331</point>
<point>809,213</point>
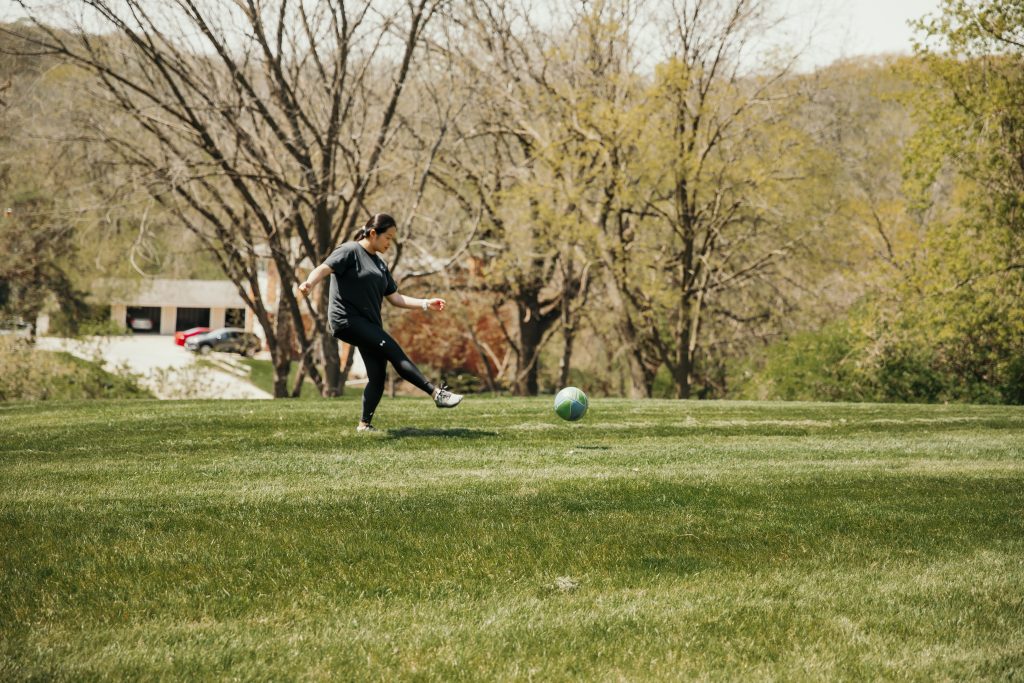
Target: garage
<point>159,306</point>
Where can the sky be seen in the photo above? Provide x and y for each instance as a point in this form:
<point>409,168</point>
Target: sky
<point>829,29</point>
<point>836,29</point>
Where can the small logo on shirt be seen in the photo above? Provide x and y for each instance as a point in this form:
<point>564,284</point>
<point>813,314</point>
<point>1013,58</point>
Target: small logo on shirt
<point>382,343</point>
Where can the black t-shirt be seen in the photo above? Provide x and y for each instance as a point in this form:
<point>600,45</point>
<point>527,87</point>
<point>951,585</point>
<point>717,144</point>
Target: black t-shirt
<point>358,286</point>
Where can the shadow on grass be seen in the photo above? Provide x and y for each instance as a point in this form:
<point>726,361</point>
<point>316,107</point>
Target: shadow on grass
<point>457,433</point>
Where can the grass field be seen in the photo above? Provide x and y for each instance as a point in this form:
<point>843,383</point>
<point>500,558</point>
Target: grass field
<point>262,376</point>
<point>655,540</point>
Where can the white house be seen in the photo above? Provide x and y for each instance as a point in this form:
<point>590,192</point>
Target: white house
<point>166,306</point>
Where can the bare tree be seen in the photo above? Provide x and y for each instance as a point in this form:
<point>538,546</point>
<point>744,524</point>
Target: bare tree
<point>511,163</point>
<point>262,125</point>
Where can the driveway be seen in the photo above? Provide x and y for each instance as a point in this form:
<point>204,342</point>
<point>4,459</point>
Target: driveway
<point>163,367</point>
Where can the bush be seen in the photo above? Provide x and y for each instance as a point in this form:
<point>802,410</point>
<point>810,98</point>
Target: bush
<point>908,373</point>
<point>84,321</point>
<point>463,382</point>
<point>32,375</point>
<point>905,364</point>
<point>810,366</point>
<point>452,355</point>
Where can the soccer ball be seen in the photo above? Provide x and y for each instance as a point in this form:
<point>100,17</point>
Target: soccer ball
<point>570,404</point>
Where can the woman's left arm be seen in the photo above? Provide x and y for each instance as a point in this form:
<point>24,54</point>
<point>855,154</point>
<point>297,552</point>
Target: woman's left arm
<point>397,299</point>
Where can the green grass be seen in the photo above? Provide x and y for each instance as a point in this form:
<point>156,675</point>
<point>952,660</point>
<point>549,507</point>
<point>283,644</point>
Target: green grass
<point>654,540</point>
<point>262,376</point>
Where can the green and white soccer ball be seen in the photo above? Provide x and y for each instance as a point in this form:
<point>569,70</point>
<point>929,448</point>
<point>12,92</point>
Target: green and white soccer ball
<point>571,404</point>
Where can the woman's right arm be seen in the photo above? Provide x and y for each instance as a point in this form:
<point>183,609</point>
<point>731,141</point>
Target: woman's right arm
<point>318,274</point>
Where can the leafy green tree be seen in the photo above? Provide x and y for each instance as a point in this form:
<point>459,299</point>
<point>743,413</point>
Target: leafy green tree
<point>34,262</point>
<point>974,56</point>
<point>938,280</point>
<point>39,251</point>
<point>963,294</point>
<point>695,226</point>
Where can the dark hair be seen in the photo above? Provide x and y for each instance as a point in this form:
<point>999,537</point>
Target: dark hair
<point>380,222</point>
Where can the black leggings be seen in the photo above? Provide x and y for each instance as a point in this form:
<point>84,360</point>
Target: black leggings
<point>378,348</point>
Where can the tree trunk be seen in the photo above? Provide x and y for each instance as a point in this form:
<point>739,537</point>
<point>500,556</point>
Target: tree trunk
<point>281,352</point>
<point>683,373</point>
<point>343,375</point>
<point>568,337</point>
<point>641,376</point>
<point>300,379</point>
<point>489,372</point>
<point>530,333</point>
<point>328,350</point>
<point>681,378</point>
<point>281,358</point>
<point>335,384</point>
<point>570,291</point>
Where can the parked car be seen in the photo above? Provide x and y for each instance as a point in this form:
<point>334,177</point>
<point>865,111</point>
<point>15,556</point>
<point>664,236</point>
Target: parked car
<point>141,324</point>
<point>181,335</point>
<point>227,339</point>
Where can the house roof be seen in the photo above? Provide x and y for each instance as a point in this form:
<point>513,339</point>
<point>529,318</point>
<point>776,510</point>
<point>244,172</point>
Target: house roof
<point>180,293</point>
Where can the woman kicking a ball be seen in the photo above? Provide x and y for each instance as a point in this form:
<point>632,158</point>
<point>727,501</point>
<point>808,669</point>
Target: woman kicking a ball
<point>361,281</point>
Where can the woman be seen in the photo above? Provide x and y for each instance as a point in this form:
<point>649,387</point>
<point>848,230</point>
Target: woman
<point>361,281</point>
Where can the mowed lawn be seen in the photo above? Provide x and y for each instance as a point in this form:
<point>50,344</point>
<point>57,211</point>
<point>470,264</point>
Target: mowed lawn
<point>655,540</point>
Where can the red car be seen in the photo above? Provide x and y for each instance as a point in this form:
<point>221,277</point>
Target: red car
<point>182,335</point>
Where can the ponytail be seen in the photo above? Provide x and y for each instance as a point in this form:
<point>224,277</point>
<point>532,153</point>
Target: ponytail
<point>380,222</point>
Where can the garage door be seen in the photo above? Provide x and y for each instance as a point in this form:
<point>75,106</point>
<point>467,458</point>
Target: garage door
<point>188,318</point>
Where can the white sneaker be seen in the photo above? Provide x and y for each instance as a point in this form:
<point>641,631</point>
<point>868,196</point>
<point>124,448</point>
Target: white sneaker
<point>446,399</point>
<point>363,427</point>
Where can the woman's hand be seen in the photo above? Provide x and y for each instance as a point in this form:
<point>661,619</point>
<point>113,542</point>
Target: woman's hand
<point>318,274</point>
<point>436,304</point>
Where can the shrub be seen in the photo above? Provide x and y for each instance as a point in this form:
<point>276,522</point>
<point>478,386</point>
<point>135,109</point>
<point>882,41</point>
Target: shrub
<point>903,364</point>
<point>810,366</point>
<point>453,354</point>
<point>29,374</point>
<point>84,320</point>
